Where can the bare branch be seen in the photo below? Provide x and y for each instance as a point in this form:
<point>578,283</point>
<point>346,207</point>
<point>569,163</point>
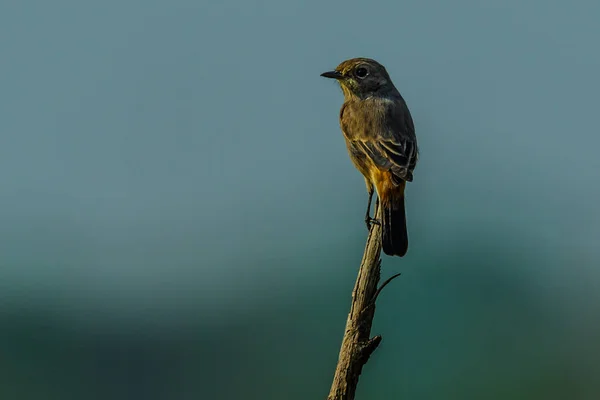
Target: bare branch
<point>357,345</point>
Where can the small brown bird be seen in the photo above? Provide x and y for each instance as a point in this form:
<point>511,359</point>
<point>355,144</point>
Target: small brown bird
<point>381,141</point>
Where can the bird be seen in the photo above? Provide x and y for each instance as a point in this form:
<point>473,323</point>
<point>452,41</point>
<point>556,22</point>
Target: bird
<point>380,137</point>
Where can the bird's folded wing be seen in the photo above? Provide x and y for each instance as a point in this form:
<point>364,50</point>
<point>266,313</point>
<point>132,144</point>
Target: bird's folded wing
<point>399,156</point>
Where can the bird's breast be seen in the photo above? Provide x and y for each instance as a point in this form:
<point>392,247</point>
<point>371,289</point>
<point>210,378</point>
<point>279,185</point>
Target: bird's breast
<point>363,119</point>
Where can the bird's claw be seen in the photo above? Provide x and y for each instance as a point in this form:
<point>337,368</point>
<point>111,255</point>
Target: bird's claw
<point>369,221</point>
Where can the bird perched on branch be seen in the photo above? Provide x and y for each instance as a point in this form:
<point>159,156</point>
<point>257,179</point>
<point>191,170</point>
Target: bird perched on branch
<point>381,141</point>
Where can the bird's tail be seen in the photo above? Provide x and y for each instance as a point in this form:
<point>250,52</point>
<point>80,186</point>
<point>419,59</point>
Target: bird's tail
<point>394,235</point>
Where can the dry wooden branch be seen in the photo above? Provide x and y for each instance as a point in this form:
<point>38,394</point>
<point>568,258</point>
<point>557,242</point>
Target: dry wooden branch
<point>357,345</point>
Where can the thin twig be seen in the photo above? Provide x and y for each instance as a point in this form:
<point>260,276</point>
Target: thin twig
<point>391,278</point>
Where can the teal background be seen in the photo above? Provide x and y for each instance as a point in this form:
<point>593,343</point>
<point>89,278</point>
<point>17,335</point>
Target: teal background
<point>179,218</point>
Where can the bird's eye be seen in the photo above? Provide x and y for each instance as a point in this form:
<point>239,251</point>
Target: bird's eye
<point>361,72</point>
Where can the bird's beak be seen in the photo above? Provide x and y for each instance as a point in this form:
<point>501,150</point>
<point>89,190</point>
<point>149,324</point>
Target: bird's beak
<point>332,74</point>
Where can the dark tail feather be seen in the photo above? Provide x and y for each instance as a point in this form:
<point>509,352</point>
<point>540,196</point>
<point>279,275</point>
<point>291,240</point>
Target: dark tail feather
<point>393,220</point>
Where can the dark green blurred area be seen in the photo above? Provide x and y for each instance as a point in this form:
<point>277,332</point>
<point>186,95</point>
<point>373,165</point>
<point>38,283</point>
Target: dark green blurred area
<point>179,218</point>
<point>454,328</point>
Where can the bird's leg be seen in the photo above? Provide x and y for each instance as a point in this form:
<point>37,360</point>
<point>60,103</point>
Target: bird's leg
<point>374,220</point>
<point>368,219</point>
<point>368,214</point>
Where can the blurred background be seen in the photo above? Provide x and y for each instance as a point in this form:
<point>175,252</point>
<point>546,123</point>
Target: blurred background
<point>179,218</point>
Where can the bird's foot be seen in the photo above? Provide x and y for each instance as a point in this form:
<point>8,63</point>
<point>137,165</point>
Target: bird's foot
<point>369,221</point>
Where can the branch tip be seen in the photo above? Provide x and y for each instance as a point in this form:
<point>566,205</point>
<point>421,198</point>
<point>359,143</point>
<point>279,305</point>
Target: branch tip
<point>370,346</point>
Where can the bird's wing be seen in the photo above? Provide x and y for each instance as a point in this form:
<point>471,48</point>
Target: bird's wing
<point>392,146</point>
<point>399,156</point>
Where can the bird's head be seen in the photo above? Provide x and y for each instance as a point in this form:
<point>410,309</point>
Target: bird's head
<point>361,78</point>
